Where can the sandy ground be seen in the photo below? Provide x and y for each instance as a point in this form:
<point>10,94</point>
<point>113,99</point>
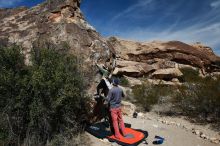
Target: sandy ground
<point>174,135</point>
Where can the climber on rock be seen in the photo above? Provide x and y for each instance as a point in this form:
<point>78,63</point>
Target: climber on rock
<point>105,84</point>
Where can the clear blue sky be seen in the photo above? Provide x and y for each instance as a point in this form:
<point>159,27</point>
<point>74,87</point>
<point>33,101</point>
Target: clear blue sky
<point>146,20</point>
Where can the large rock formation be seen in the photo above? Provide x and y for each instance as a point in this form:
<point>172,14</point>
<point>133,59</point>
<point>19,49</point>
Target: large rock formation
<point>162,60</point>
<point>59,22</point>
<point>56,22</point>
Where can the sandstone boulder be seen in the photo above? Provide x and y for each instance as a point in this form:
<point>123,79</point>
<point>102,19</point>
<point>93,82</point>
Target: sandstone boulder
<point>128,108</point>
<point>164,55</point>
<point>167,74</point>
<point>133,81</point>
<point>133,68</point>
<point>55,24</point>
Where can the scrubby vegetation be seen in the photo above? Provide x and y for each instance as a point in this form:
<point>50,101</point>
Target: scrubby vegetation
<point>41,102</point>
<point>124,81</point>
<point>146,95</point>
<point>190,75</point>
<point>198,97</point>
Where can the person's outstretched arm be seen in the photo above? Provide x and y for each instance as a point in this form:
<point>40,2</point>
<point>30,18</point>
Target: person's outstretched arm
<point>102,70</point>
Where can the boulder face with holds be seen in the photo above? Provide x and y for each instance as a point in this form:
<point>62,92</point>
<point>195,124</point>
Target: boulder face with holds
<point>57,24</point>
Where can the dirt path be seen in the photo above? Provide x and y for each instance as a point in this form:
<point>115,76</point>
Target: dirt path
<point>175,135</point>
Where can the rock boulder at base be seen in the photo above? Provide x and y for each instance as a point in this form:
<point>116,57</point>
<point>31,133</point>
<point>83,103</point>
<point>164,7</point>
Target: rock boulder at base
<point>127,108</point>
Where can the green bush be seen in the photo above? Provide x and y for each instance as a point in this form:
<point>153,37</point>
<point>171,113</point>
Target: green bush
<point>124,81</point>
<point>41,100</point>
<point>147,95</point>
<point>201,99</point>
<point>190,75</point>
<point>197,98</point>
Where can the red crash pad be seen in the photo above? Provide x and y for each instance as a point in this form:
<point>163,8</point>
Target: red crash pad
<point>134,137</point>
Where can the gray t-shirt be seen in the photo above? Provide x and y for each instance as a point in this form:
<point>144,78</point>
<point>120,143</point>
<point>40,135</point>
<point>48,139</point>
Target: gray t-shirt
<point>115,96</point>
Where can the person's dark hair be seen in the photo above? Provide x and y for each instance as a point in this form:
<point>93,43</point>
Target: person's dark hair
<point>116,81</point>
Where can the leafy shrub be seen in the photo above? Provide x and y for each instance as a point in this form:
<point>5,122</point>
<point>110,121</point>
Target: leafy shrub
<point>147,95</point>
<point>190,75</point>
<point>200,99</point>
<point>42,100</point>
<point>124,81</point>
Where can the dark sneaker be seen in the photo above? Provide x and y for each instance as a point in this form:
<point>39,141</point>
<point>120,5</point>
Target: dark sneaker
<point>159,140</point>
